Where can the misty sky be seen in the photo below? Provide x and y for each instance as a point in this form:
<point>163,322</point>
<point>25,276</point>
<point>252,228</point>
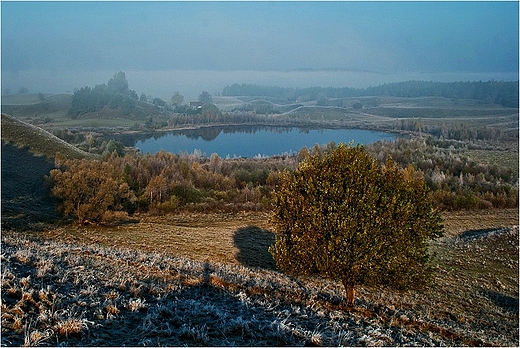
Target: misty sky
<point>163,46</point>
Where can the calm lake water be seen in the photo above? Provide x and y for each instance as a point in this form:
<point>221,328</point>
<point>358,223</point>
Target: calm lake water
<point>253,141</point>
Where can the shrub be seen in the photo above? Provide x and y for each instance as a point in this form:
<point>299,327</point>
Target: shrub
<point>344,217</point>
<point>87,189</point>
<point>115,217</point>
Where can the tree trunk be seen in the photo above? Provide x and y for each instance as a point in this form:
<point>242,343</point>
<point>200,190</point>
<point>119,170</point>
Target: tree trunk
<point>350,291</point>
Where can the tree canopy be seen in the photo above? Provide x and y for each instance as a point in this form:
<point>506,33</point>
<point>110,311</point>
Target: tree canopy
<point>115,94</point>
<point>205,97</point>
<point>344,217</point>
<point>88,189</point>
<point>177,99</point>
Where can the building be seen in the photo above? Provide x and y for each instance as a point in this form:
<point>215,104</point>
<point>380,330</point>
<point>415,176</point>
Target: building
<point>196,105</point>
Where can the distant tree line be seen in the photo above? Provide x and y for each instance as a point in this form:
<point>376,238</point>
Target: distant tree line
<point>498,92</point>
<point>115,94</point>
<point>459,132</point>
<point>210,114</point>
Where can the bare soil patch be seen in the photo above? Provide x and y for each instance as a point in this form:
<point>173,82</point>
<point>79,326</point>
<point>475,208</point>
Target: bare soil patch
<point>458,222</point>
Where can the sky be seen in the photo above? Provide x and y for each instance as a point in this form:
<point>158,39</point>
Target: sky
<point>162,47</point>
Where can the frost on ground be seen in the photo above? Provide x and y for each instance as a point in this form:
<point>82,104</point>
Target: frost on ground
<point>62,294</point>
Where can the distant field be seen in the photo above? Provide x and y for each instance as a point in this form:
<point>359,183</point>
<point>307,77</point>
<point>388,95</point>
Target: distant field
<point>379,113</point>
<point>385,113</point>
<point>227,103</point>
<point>435,112</point>
<point>27,99</point>
<point>90,123</point>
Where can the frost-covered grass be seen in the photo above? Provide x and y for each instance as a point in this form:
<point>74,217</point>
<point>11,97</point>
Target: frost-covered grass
<point>39,141</point>
<point>57,293</point>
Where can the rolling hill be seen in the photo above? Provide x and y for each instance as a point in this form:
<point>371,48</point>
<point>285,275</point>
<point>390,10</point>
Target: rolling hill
<point>27,156</point>
<point>38,141</point>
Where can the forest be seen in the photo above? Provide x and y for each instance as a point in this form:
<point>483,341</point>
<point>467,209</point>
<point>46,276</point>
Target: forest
<point>497,92</point>
<point>115,94</point>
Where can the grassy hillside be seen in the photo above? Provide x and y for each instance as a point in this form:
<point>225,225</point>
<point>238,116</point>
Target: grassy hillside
<point>32,107</point>
<point>26,201</point>
<point>37,140</point>
<point>52,112</point>
<point>27,156</point>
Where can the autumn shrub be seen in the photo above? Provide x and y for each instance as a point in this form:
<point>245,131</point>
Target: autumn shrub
<point>87,189</point>
<point>165,183</point>
<point>115,217</point>
<point>457,181</point>
<point>344,217</point>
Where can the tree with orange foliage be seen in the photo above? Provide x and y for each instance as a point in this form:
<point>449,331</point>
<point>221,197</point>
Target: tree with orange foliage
<point>344,217</point>
<point>87,189</point>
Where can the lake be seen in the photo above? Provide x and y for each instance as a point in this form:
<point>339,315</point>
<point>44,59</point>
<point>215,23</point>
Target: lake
<point>252,141</point>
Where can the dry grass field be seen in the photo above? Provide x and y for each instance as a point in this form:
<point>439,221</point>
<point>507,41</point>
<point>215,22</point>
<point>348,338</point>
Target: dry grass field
<point>209,280</point>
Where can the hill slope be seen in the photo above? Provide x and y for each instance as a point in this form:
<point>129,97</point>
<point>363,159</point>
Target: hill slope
<point>37,140</point>
<point>25,196</point>
<point>27,156</point>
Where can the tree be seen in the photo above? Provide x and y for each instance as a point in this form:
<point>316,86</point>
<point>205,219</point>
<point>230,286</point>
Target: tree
<point>118,83</point>
<point>117,146</point>
<point>158,102</point>
<point>143,98</point>
<point>87,189</point>
<point>205,97</point>
<point>115,94</point>
<point>346,218</point>
<point>210,112</point>
<point>177,99</point>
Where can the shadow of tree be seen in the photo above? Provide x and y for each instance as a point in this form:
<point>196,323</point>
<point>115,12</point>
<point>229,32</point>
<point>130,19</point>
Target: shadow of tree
<point>508,303</point>
<point>472,234</point>
<point>253,247</point>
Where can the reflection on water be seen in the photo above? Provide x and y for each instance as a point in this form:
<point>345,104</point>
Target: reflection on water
<point>247,141</point>
<point>212,133</point>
